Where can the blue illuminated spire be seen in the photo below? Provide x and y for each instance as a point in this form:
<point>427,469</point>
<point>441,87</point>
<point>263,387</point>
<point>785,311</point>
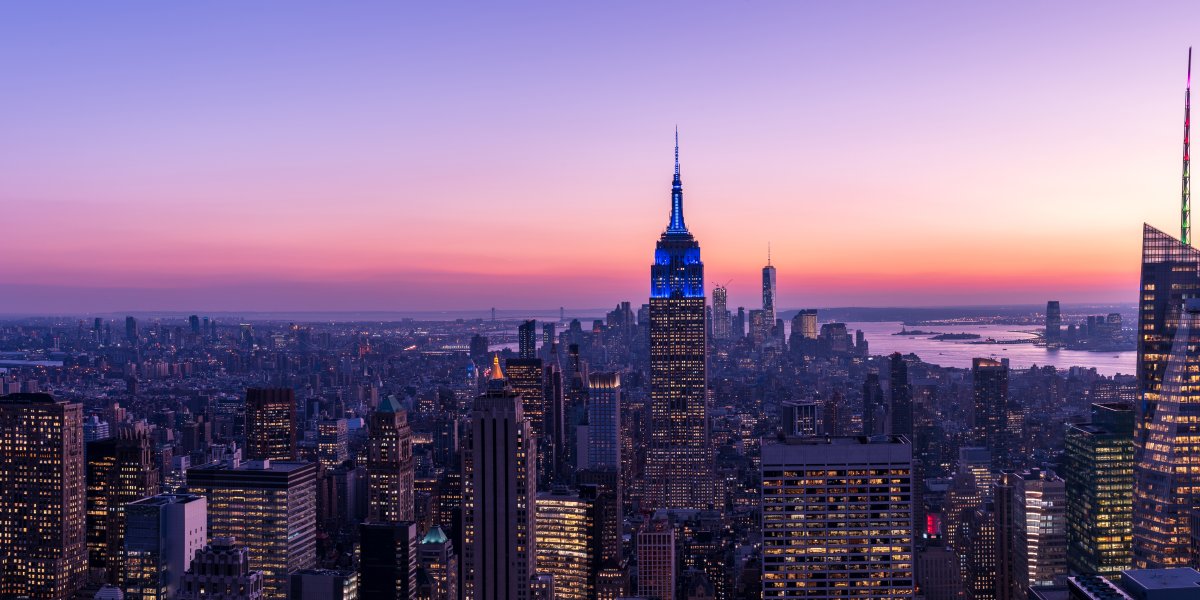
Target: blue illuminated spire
<point>676,225</point>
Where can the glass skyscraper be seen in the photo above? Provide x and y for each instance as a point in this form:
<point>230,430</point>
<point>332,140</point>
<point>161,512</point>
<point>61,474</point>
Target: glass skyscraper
<point>1166,446</point>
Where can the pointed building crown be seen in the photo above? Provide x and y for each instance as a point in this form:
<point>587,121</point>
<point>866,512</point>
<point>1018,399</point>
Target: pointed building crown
<point>676,224</point>
<point>497,374</point>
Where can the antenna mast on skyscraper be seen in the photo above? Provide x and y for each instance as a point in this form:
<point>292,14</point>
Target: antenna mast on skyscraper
<point>1186,208</point>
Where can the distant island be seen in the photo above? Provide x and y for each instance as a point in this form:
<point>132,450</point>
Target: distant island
<point>915,332</point>
<point>956,336</point>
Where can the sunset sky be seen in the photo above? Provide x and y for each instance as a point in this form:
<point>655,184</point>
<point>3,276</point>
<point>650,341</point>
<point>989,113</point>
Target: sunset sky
<point>410,156</point>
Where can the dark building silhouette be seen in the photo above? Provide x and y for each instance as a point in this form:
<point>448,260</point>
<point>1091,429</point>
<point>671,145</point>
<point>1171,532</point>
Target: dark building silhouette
<point>388,561</point>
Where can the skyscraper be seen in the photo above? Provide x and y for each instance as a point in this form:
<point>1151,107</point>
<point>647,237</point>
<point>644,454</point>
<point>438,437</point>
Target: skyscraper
<point>504,548</point>
<point>120,470</point>
<point>270,424</point>
<point>528,379</point>
<point>873,407</point>
<point>604,421</point>
<point>162,535</point>
<point>1167,453</point>
<point>1053,323</point>
<point>1040,528</point>
<point>901,409</point>
<point>678,461</point>
<point>527,339</point>
<point>332,442</point>
<point>388,561</point>
<point>990,388</point>
<point>567,544</point>
<point>655,551</point>
<point>271,506</point>
<point>815,543</point>
<point>720,313</point>
<point>768,290</point>
<point>390,470</point>
<point>1099,478</point>
<point>43,554</point>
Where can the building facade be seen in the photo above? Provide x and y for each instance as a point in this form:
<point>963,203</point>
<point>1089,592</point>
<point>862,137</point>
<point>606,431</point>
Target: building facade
<point>43,551</point>
<point>819,497</point>
<point>270,507</point>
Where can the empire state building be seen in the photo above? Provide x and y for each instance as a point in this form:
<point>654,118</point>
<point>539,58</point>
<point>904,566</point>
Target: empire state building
<point>679,459</point>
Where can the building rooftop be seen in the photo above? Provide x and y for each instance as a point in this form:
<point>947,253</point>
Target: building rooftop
<point>1151,580</point>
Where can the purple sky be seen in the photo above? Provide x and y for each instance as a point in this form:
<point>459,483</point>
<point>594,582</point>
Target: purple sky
<point>388,156</point>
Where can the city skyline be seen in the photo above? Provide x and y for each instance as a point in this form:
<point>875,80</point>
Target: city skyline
<point>390,158</point>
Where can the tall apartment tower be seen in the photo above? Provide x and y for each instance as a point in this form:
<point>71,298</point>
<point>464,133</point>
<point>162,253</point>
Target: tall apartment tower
<point>990,425</point>
<point>1099,476</point>
<point>271,506</point>
<point>502,471</point>
<point>120,470</point>
<point>222,571</point>
<point>270,424</point>
<point>1040,531</point>
<point>528,379</point>
<point>163,533</point>
<point>656,567</point>
<point>390,470</point>
<point>1166,488</point>
<point>874,410</point>
<point>679,470</point>
<point>814,546</point>
<point>43,551</point>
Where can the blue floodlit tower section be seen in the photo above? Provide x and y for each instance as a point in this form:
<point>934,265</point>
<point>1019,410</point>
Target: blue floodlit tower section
<point>679,459</point>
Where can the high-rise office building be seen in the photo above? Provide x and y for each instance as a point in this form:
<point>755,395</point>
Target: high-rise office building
<point>900,406</point>
<point>390,470</point>
<point>604,421</point>
<point>1004,500</point>
<point>131,329</point>
<point>387,561</point>
<point>760,327</point>
<point>527,340</point>
<point>527,377</point>
<point>436,557</point>
<point>990,424</point>
<point>120,470</point>
<point>270,424</point>
<point>768,290</point>
<point>222,571</point>
<point>1040,531</point>
<point>270,507</point>
<point>333,437</point>
<point>1053,333</point>
<point>162,535</point>
<point>815,545</point>
<point>679,472</point>
<point>1167,453</point>
<point>1099,476</point>
<point>43,554</point>
<point>976,544</point>
<point>567,544</point>
<point>656,566</point>
<point>502,471</point>
<point>721,324</point>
